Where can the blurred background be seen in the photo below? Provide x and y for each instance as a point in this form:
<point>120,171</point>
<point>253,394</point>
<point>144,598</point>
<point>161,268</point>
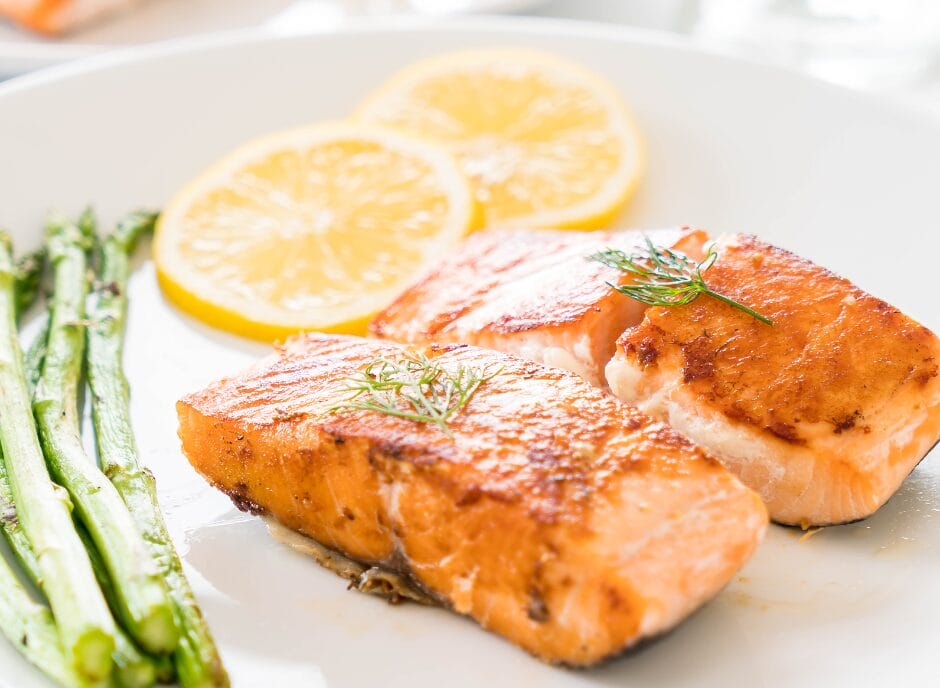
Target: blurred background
<point>888,46</point>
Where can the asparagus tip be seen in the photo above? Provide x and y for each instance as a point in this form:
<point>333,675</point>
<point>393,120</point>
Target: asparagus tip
<point>132,227</point>
<point>62,233</point>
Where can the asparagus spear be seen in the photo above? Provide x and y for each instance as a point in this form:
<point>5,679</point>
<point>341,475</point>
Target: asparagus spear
<point>28,273</point>
<point>25,289</point>
<point>143,603</point>
<point>134,669</point>
<point>30,627</point>
<point>196,659</point>
<point>84,622</point>
<point>14,533</point>
<point>35,354</point>
<point>26,623</point>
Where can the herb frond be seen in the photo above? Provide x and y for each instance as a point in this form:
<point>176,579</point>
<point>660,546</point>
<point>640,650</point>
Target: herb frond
<point>666,277</point>
<point>413,387</point>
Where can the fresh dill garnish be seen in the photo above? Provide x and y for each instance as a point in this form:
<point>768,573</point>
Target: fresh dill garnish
<point>413,387</point>
<point>666,277</point>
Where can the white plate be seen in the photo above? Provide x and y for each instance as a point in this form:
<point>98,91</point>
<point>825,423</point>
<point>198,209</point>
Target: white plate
<point>732,146</point>
<point>161,20</point>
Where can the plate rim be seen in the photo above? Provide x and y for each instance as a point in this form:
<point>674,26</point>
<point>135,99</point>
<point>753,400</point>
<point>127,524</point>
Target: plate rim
<point>41,52</point>
<point>27,84</point>
<point>531,25</point>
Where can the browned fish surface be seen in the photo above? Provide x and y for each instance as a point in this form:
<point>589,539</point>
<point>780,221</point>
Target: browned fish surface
<point>824,413</point>
<point>557,516</point>
<point>530,293</point>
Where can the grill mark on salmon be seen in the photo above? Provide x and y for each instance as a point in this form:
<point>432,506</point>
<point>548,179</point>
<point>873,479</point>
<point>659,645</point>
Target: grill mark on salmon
<point>558,517</point>
<point>530,293</point>
<point>824,413</point>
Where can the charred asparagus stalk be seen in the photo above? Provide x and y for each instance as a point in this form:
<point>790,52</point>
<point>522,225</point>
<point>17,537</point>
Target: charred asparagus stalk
<point>143,603</point>
<point>25,289</point>
<point>85,626</point>
<point>197,659</point>
<point>28,278</point>
<point>33,358</point>
<point>133,669</point>
<point>30,627</point>
<point>26,623</point>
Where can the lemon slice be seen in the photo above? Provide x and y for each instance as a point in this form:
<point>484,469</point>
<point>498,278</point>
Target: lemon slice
<point>546,142</point>
<point>310,229</point>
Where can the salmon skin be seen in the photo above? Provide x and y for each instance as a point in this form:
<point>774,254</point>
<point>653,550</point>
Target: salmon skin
<point>531,293</point>
<point>824,413</point>
<point>556,516</point>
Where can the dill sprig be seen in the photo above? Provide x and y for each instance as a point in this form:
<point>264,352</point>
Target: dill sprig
<point>667,277</point>
<point>413,387</point>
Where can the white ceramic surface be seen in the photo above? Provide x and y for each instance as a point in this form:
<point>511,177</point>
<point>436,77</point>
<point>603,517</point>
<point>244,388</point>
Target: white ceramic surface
<point>732,146</point>
<point>161,20</point>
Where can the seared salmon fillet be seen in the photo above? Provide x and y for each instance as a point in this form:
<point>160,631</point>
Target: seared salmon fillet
<point>58,16</point>
<point>556,516</point>
<point>824,413</point>
<point>530,293</point>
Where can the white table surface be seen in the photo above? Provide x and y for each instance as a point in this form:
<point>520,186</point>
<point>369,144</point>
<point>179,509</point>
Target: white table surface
<point>680,16</point>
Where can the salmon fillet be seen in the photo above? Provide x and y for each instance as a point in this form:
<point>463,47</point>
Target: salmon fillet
<point>824,413</point>
<point>556,516</point>
<point>58,16</point>
<point>530,293</point>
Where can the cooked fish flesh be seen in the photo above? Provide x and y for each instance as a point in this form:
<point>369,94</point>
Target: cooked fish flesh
<point>824,413</point>
<point>531,293</point>
<point>556,516</point>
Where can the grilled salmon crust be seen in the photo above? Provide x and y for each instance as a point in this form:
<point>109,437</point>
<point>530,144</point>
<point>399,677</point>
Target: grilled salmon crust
<point>530,293</point>
<point>824,413</point>
<point>557,516</point>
